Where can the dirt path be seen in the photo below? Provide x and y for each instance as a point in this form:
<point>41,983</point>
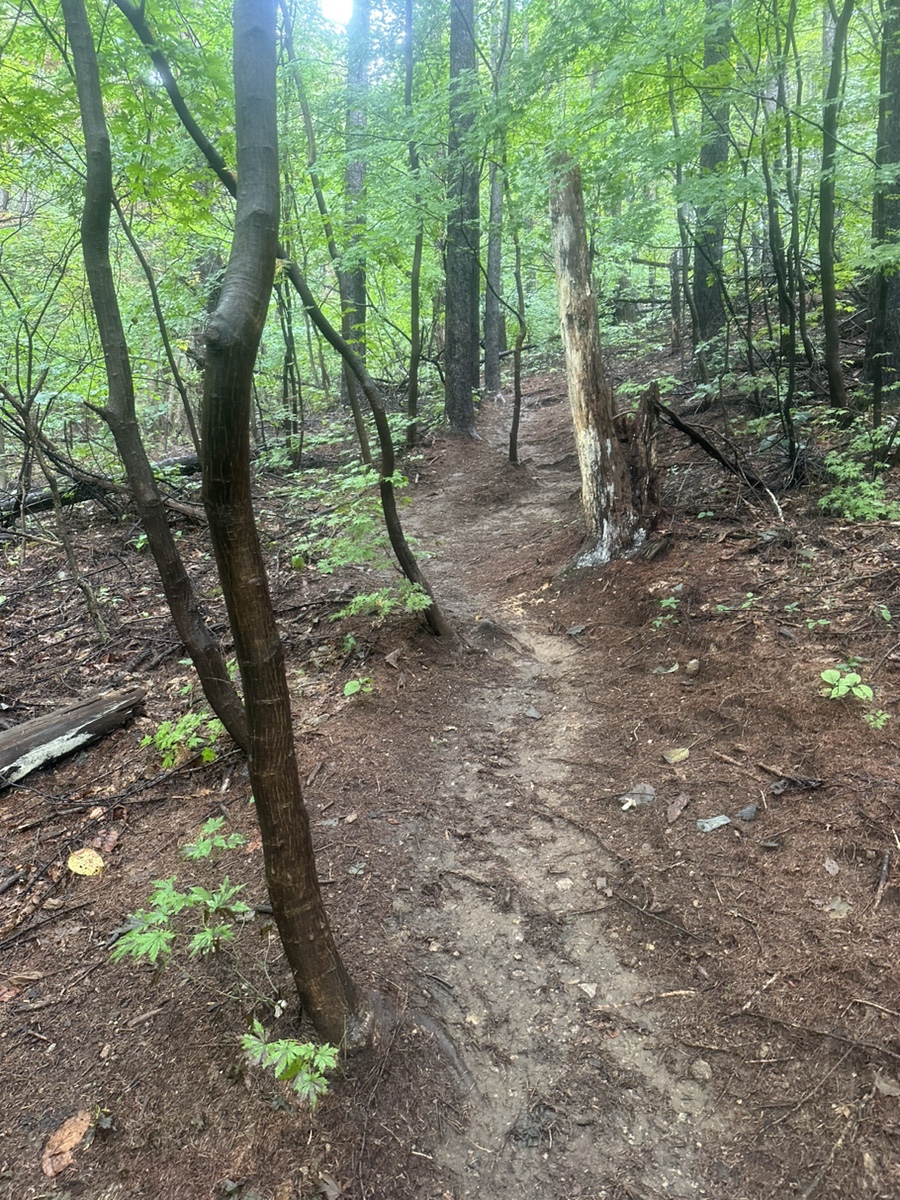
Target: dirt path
<point>575,1088</point>
<point>610,1000</point>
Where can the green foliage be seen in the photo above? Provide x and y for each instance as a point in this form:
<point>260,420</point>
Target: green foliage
<point>211,841</point>
<point>363,685</point>
<point>178,740</point>
<point>841,684</point>
<point>301,1064</point>
<point>876,719</point>
<point>857,468</point>
<point>210,918</point>
<point>346,529</point>
<point>669,607</point>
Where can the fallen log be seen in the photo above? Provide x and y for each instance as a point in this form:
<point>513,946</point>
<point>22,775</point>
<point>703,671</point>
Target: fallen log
<point>45,739</point>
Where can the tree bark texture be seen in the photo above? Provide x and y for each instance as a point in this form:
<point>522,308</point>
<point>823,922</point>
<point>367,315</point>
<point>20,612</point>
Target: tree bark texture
<point>883,341</point>
<point>831,109</point>
<point>328,995</point>
<point>461,351</point>
<point>120,412</point>
<point>615,523</point>
<point>709,232</point>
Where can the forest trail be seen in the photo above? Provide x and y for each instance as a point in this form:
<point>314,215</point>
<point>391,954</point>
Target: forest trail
<point>687,993</point>
<point>577,1089</point>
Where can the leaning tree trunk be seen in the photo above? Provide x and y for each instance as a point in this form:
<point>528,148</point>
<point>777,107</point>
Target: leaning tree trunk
<point>329,996</point>
<point>837,390</point>
<point>616,523</point>
<point>119,412</point>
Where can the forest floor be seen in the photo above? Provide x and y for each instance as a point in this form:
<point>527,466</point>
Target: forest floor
<point>605,999</point>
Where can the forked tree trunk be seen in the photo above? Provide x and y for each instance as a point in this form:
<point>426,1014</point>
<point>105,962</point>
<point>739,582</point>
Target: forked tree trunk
<point>616,519</point>
<point>119,412</point>
<point>328,995</point>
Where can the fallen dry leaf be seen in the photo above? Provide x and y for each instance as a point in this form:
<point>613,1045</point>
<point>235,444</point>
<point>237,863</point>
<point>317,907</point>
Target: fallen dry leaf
<point>57,1153</point>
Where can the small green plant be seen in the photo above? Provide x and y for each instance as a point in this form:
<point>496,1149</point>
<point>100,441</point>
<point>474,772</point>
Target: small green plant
<point>877,718</point>
<point>178,740</point>
<point>669,607</point>
<point>152,935</point>
<point>841,684</point>
<point>355,687</point>
<point>301,1064</point>
<point>210,841</point>
<point>821,623</point>
<point>885,613</point>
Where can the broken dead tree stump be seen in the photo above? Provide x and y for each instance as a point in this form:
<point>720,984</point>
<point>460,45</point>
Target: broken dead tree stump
<point>45,739</point>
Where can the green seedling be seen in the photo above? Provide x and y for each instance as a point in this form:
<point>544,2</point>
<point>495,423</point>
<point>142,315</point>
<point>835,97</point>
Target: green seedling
<point>876,719</point>
<point>841,684</point>
<point>353,687</point>
<point>669,606</point>
<point>301,1064</point>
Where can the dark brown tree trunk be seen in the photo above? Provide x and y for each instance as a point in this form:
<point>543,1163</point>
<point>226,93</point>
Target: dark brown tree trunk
<point>837,391</point>
<point>461,354</point>
<point>329,997</point>
<point>611,487</point>
<point>120,409</point>
<point>883,341</point>
<point>709,232</point>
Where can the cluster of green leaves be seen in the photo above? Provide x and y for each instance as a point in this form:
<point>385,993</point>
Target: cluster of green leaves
<point>180,739</point>
<point>209,916</point>
<point>301,1064</point>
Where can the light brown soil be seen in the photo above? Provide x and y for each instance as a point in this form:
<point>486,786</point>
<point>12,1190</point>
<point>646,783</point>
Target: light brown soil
<point>604,1001</point>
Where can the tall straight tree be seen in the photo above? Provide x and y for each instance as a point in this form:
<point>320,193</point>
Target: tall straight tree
<point>831,110</point>
<point>883,341</point>
<point>709,232</point>
<point>461,352</point>
<point>358,54</point>
<point>328,995</point>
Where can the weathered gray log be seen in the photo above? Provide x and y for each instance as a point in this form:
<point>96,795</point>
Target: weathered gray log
<point>35,743</point>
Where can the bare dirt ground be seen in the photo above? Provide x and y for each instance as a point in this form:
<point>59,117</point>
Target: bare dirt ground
<point>604,999</point>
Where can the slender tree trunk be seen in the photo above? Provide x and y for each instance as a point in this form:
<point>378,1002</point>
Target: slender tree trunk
<point>329,997</point>
<point>119,412</point>
<point>415,305</point>
<point>492,285</point>
<point>709,233</point>
<point>883,341</point>
<point>615,524</point>
<point>837,391</point>
<point>461,355</point>
<point>355,176</point>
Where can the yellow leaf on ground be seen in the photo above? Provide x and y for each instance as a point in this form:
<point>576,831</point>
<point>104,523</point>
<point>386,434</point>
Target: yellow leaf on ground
<point>676,756</point>
<point>85,862</point>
